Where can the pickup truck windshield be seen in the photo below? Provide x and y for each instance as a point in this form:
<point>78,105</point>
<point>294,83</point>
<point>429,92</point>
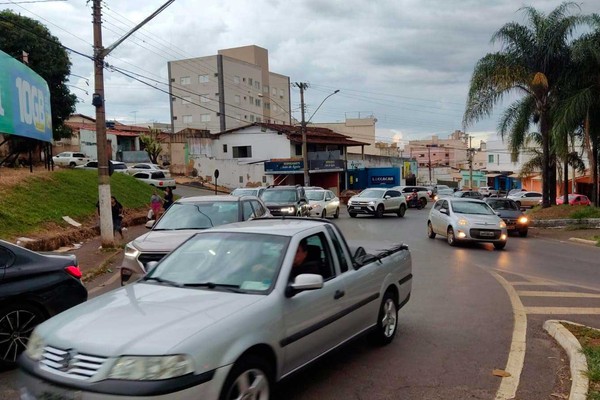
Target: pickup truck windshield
<point>247,262</point>
<point>245,192</point>
<point>198,216</point>
<point>372,194</point>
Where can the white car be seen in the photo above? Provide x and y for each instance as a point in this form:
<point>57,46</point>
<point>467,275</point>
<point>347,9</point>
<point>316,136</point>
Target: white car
<point>226,315</point>
<point>117,166</point>
<point>487,191</point>
<point>148,167</point>
<point>323,203</point>
<point>70,159</point>
<point>156,179</point>
<point>526,199</point>
<point>377,201</point>
<point>463,220</point>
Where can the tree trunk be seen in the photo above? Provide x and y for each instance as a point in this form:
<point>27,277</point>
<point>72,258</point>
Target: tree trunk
<point>544,130</point>
<point>566,179</point>
<point>595,165</point>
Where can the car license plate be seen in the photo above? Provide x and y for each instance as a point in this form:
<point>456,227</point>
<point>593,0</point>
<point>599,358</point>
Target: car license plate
<point>509,227</point>
<point>486,233</point>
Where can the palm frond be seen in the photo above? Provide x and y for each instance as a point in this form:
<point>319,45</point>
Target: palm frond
<point>532,166</point>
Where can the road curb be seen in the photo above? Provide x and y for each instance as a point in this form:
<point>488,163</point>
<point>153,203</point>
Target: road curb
<point>561,223</point>
<point>584,241</point>
<point>577,361</point>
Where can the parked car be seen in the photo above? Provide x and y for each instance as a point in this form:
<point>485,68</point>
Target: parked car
<point>408,191</point>
<point>526,199</point>
<point>117,166</point>
<point>377,201</point>
<point>70,159</point>
<point>442,193</point>
<point>461,220</point>
<point>575,200</point>
<point>515,191</point>
<point>148,167</point>
<point>156,179</point>
<point>33,287</point>
<point>511,214</point>
<point>186,217</point>
<point>487,191</point>
<point>248,191</point>
<point>469,194</point>
<point>224,316</point>
<point>323,203</point>
<point>286,201</point>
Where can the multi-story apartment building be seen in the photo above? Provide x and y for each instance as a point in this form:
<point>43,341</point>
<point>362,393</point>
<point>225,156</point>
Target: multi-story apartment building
<point>225,91</point>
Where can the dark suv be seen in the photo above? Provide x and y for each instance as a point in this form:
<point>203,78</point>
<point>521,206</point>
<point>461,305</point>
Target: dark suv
<point>286,200</point>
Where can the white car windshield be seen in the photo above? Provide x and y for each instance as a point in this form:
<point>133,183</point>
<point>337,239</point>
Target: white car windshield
<point>471,207</point>
<point>239,262</point>
<point>245,192</point>
<point>198,216</point>
<point>315,195</point>
<point>369,193</point>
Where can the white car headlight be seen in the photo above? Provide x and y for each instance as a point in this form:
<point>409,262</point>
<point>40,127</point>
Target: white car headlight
<point>35,347</point>
<point>502,224</point>
<point>139,368</point>
<point>289,210</point>
<point>371,203</point>
<point>130,251</point>
<point>462,222</point>
<point>523,220</point>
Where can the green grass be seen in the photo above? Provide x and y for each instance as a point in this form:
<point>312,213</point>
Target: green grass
<point>586,212</point>
<point>41,200</point>
<point>590,343</point>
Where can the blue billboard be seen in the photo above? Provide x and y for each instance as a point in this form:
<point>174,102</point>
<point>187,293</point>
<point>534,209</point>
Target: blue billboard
<point>24,101</point>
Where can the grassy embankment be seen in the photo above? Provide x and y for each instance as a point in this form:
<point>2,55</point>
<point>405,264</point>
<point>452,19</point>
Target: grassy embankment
<point>564,212</point>
<point>37,203</point>
<point>590,343</point>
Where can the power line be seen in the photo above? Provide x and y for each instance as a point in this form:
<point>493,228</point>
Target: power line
<point>31,1</point>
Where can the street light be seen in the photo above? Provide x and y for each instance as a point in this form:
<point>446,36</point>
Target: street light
<point>303,86</point>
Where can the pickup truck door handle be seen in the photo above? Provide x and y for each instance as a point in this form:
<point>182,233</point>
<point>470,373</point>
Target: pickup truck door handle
<point>339,294</point>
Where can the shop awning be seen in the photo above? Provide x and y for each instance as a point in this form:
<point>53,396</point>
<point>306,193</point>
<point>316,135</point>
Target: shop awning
<point>515,176</point>
<point>492,175</point>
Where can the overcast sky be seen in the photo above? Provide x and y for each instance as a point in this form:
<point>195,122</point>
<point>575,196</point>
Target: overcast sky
<point>406,62</point>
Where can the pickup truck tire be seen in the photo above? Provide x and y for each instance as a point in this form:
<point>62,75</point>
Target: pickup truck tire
<point>337,213</point>
<point>379,211</point>
<point>387,320</point>
<point>450,238</point>
<point>401,210</point>
<point>250,377</point>
<point>352,215</point>
<point>430,232</point>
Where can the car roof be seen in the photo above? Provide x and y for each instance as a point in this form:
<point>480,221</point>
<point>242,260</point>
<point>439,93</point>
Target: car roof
<point>462,199</point>
<point>206,199</point>
<point>288,187</point>
<point>272,226</point>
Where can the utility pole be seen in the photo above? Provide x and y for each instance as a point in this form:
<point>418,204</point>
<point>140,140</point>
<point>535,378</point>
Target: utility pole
<point>106,225</point>
<point>429,163</point>
<point>302,86</point>
<point>470,158</point>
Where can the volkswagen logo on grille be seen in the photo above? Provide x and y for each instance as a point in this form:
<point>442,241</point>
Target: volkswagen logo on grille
<point>68,360</point>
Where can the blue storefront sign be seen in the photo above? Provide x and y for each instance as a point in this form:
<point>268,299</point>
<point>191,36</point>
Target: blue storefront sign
<point>284,167</point>
<point>24,101</point>
<point>326,165</point>
<point>379,180</point>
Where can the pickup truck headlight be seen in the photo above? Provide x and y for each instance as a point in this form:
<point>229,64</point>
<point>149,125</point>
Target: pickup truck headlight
<point>35,347</point>
<point>289,210</point>
<point>138,368</point>
<point>131,251</point>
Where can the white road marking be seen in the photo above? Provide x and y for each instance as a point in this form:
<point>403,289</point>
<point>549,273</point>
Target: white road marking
<point>563,310</point>
<point>516,357</point>
<point>526,293</point>
<point>109,282</point>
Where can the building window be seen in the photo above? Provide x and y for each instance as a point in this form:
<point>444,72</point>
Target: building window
<point>265,89</point>
<point>274,91</point>
<point>242,151</point>
<point>187,119</point>
<point>205,117</point>
<point>264,179</point>
<point>186,100</point>
<point>267,106</point>
<point>224,148</point>
<point>185,80</point>
<point>298,149</point>
<point>252,118</point>
<point>204,98</point>
<point>236,80</point>
<point>251,99</point>
<point>281,93</point>
<point>237,99</point>
<point>241,179</point>
<point>257,85</point>
<point>250,82</point>
<point>202,78</point>
<point>257,102</point>
<point>258,119</point>
<point>490,158</point>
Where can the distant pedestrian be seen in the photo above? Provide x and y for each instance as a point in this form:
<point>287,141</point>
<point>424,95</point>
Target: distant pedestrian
<point>117,215</point>
<point>155,204</point>
<point>168,198</point>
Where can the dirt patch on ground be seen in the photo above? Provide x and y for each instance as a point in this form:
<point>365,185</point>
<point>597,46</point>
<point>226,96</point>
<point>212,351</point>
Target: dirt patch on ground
<point>566,233</point>
<point>554,212</point>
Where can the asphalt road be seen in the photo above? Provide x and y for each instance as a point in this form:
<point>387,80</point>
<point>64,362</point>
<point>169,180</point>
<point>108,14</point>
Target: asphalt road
<point>473,309</point>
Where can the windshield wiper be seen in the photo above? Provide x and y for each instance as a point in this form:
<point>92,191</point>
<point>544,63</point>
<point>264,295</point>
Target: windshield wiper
<point>161,280</point>
<point>212,285</point>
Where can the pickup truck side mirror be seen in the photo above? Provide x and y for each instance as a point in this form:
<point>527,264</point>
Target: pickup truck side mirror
<point>304,282</point>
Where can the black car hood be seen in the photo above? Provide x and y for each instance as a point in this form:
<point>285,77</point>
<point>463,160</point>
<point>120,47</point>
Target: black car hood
<point>509,213</point>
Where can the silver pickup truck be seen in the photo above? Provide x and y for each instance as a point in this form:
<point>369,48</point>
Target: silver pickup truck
<point>224,316</point>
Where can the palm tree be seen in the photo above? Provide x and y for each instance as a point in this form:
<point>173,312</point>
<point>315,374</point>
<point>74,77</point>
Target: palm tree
<point>581,106</point>
<point>531,63</point>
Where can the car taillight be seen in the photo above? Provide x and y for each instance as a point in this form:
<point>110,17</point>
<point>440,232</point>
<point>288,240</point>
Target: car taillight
<point>160,183</point>
<point>74,271</point>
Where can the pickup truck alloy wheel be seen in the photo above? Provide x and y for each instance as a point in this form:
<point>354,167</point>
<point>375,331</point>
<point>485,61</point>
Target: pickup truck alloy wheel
<point>249,379</point>
<point>387,320</point>
<point>430,231</point>
<point>401,210</point>
<point>450,237</point>
<point>379,211</point>
<point>16,324</point>
<point>337,213</point>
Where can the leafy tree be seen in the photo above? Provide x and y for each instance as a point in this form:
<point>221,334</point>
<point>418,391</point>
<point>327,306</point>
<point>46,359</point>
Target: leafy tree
<point>46,57</point>
<point>531,63</point>
<point>152,144</point>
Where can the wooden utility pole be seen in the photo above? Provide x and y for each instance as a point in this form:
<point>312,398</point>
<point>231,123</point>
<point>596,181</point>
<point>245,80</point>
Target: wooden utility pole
<point>303,86</point>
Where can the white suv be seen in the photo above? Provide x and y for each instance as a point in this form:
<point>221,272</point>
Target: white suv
<point>377,201</point>
<point>70,159</point>
<point>487,191</point>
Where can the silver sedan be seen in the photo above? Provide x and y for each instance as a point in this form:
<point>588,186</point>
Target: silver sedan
<point>466,220</point>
